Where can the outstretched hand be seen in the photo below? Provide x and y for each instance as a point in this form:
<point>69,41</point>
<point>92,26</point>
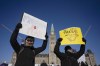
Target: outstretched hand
<point>18,26</point>
<point>84,40</point>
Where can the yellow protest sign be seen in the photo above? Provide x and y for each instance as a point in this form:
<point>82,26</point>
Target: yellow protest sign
<point>72,35</point>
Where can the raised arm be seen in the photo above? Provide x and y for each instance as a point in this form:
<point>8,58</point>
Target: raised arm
<point>13,40</point>
<point>56,49</point>
<point>82,50</point>
<point>43,47</point>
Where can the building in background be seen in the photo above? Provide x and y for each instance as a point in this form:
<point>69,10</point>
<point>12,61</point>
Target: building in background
<point>13,60</point>
<point>90,58</point>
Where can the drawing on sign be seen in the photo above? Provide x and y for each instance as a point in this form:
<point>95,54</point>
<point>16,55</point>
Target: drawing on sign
<point>71,35</point>
<point>31,29</point>
<point>32,26</point>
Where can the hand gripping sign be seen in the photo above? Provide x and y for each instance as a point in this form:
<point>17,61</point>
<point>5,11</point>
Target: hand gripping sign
<point>72,35</point>
<point>33,26</point>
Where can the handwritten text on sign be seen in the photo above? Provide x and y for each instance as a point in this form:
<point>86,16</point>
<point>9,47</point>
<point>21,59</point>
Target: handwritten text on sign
<point>71,35</point>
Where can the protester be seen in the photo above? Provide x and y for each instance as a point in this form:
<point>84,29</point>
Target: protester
<point>43,64</point>
<point>25,53</point>
<point>69,58</point>
<point>4,64</point>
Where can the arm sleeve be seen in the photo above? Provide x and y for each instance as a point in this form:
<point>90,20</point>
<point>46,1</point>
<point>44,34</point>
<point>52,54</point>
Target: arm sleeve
<point>80,52</point>
<point>13,40</point>
<point>40,49</point>
<point>59,54</point>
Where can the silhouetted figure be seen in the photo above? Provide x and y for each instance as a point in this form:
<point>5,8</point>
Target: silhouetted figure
<point>43,64</point>
<point>69,58</point>
<point>4,64</point>
<point>25,53</point>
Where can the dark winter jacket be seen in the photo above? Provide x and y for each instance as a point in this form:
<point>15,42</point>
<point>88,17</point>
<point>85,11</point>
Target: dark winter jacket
<point>68,59</point>
<point>25,54</point>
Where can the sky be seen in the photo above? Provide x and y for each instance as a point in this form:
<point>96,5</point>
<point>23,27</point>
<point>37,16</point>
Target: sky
<point>61,13</point>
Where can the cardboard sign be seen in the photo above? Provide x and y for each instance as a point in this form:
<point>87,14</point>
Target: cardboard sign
<point>71,35</point>
<point>33,26</point>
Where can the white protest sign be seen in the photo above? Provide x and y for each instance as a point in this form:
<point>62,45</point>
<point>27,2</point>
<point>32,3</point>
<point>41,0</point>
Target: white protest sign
<point>33,26</point>
<point>82,59</point>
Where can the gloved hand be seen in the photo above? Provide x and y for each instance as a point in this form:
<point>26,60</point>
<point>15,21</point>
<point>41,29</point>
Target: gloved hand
<point>84,40</point>
<point>46,36</point>
<point>18,26</point>
<point>59,39</point>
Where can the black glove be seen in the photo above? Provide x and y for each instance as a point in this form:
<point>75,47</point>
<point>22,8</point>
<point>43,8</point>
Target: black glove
<point>59,39</point>
<point>84,40</point>
<point>46,36</point>
<point>18,26</point>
